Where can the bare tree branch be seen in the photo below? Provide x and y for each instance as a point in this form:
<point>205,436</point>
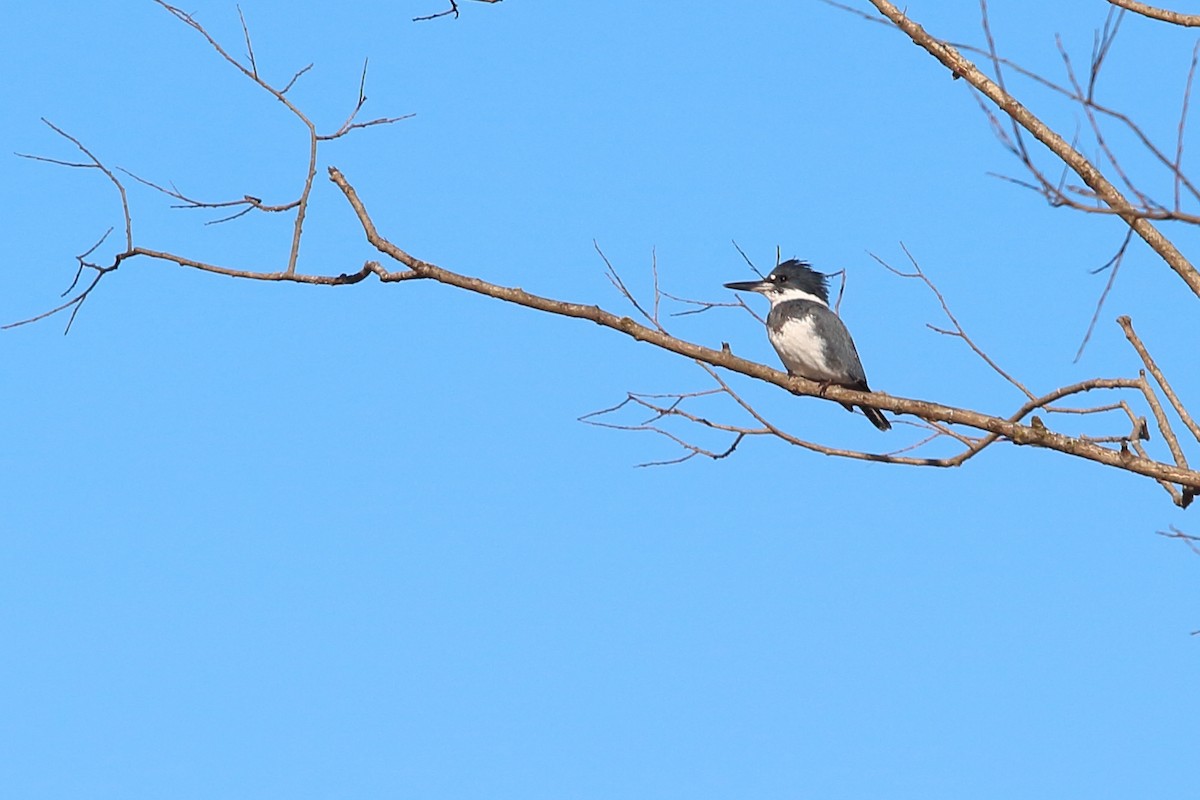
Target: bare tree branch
<point>1127,325</point>
<point>1193,543</point>
<point>996,427</point>
<point>251,72</point>
<point>1161,14</point>
<point>452,10</point>
<point>1079,164</point>
<point>1124,119</point>
<point>93,163</point>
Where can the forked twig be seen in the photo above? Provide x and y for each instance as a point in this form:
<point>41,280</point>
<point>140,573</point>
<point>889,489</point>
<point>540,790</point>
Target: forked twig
<point>1127,326</point>
<point>1113,264</point>
<point>452,10</point>
<point>958,331</point>
<point>93,163</point>
<point>1193,542</point>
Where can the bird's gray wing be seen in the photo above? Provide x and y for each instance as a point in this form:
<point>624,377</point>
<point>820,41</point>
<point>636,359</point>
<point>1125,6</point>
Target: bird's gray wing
<point>840,352</point>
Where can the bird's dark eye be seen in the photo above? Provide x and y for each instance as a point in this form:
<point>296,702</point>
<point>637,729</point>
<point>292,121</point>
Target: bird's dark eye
<point>781,278</point>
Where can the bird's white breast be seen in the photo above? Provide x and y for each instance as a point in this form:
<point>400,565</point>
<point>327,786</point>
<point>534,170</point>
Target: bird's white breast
<point>801,350</point>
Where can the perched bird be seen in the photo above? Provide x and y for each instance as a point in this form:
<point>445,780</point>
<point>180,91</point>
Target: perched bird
<point>811,340</point>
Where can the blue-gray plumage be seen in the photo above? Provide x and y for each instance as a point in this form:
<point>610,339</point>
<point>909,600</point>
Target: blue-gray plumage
<point>811,340</point>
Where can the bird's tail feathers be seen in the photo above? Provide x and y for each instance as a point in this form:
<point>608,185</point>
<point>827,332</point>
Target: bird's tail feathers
<point>877,418</point>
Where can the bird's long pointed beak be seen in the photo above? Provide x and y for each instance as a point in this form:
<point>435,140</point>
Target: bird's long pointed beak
<point>749,286</point>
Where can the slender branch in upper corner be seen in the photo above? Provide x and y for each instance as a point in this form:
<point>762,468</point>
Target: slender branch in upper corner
<point>1160,14</point>
<point>1105,191</point>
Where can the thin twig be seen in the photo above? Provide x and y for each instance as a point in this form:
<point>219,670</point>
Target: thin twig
<point>453,9</point>
<point>1187,95</point>
<point>958,331</point>
<point>1114,264</point>
<point>93,164</point>
<point>1193,542</point>
<point>860,13</point>
<point>287,87</point>
<point>249,44</point>
<point>1089,111</point>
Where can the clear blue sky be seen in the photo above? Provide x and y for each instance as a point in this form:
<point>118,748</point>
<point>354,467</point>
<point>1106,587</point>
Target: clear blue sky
<point>268,541</point>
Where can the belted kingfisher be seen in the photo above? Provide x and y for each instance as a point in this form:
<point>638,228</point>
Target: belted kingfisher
<point>811,340</point>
